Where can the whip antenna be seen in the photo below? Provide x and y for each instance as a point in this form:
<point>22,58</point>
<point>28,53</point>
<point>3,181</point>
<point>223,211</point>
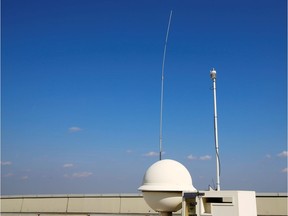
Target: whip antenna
<point>162,87</point>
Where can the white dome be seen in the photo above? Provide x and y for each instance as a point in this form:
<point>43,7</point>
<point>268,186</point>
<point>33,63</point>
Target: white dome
<point>167,175</point>
<point>163,184</point>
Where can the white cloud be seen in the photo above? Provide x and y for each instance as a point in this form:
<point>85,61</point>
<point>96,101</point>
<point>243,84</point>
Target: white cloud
<point>206,157</point>
<point>191,157</point>
<point>129,151</point>
<point>151,154</point>
<point>283,154</point>
<point>75,129</point>
<point>82,174</point>
<point>5,163</point>
<point>68,165</point>
<point>285,170</point>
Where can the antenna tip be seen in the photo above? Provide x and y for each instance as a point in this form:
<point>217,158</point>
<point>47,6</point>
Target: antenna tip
<point>213,73</point>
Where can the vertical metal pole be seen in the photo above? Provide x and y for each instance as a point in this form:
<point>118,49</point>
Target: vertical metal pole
<point>162,87</point>
<point>213,77</point>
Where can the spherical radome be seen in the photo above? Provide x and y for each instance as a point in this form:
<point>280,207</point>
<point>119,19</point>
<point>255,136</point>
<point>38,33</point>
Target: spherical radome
<point>167,175</point>
<point>163,184</point>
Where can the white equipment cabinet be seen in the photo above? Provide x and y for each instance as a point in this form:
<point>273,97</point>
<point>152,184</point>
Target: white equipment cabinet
<point>219,203</point>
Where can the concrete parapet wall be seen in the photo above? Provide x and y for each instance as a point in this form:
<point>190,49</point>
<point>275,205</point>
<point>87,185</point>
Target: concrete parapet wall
<point>11,205</point>
<point>111,204</point>
<point>272,204</point>
<point>94,204</point>
<point>76,204</point>
<point>44,205</point>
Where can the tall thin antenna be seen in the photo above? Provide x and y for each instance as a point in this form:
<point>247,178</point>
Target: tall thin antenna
<point>162,87</point>
<point>213,78</point>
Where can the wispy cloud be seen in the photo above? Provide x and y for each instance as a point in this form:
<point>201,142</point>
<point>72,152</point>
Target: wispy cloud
<point>82,174</point>
<point>68,165</point>
<point>285,170</point>
<point>74,129</point>
<point>283,154</point>
<point>5,163</point>
<point>205,157</point>
<point>191,157</point>
<point>151,154</point>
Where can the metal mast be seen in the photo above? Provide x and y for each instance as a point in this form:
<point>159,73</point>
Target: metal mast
<point>162,87</point>
<point>213,78</point>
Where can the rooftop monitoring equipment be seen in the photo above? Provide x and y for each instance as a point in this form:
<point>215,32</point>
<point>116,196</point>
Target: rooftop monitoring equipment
<point>163,185</point>
<point>167,187</point>
<point>213,78</point>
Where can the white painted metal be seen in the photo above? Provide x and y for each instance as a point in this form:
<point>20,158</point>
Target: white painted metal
<point>213,77</point>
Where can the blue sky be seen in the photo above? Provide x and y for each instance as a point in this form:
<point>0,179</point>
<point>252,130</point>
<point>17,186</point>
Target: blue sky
<point>81,93</point>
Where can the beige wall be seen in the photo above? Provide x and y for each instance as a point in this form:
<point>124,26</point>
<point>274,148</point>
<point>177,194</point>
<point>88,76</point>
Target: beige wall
<point>76,204</point>
<point>267,204</point>
<point>272,204</point>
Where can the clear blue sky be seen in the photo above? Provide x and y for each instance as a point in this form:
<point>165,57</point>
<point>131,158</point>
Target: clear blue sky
<point>81,93</point>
